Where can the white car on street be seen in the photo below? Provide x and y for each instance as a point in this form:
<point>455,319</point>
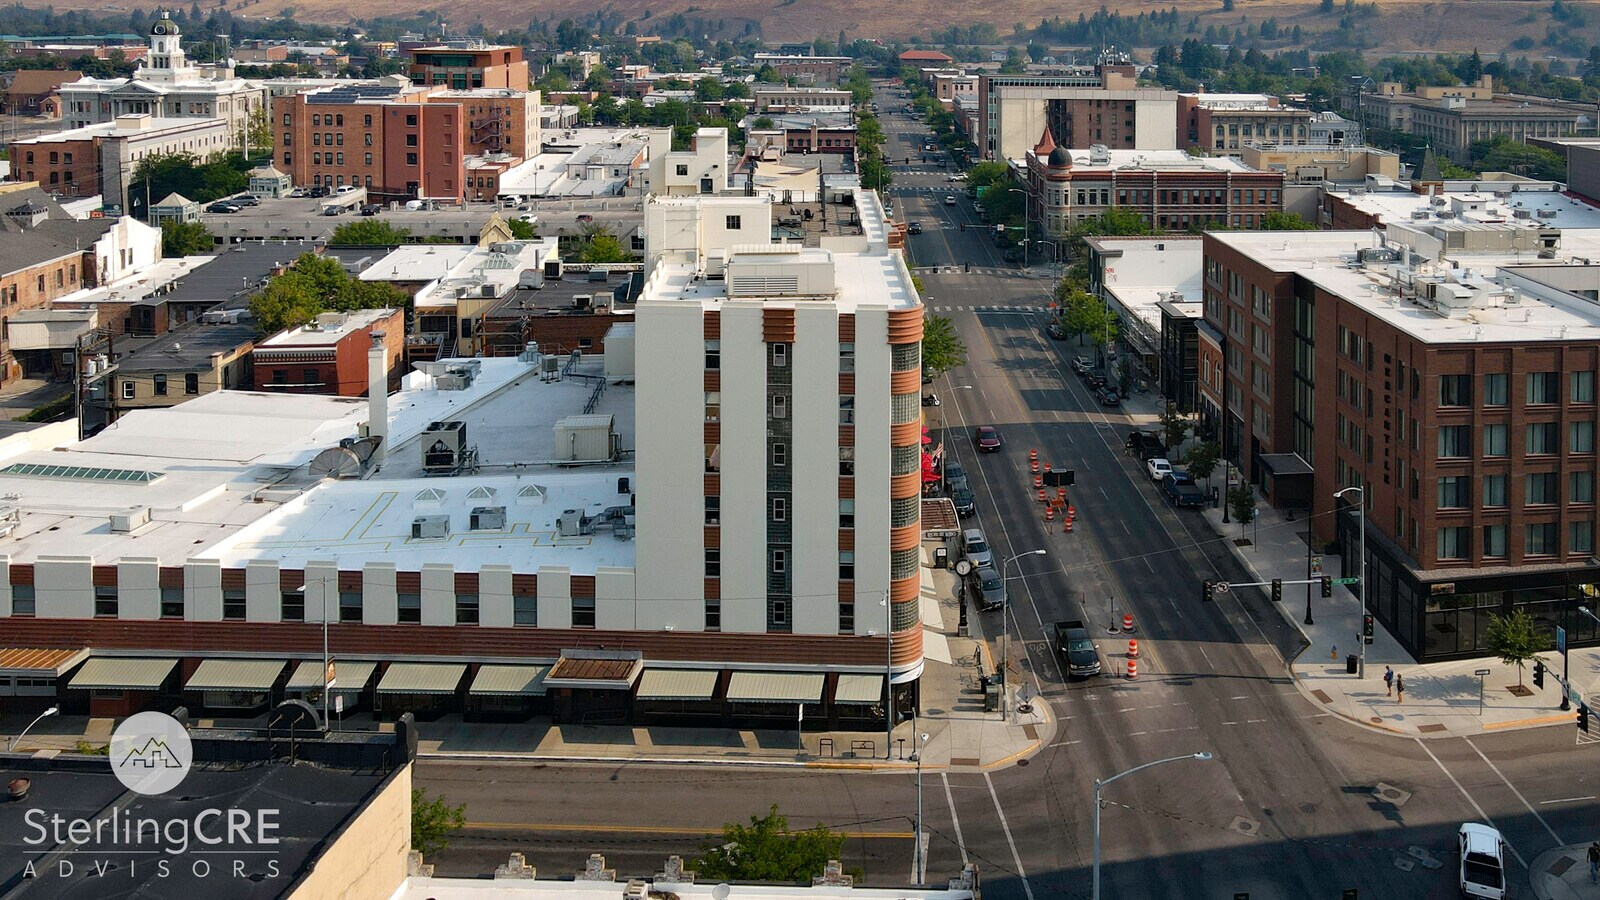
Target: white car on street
<point>949,199</point>
<point>1158,469</point>
<point>1483,862</point>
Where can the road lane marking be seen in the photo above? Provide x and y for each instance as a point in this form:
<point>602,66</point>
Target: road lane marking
<point>1016,858</point>
<point>955,822</point>
<point>1424,745</point>
<point>1558,840</point>
<point>1566,800</point>
<point>1079,741</point>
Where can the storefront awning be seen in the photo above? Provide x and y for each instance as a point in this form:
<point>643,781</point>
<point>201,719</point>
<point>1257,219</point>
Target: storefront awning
<point>127,674</point>
<point>859,689</point>
<point>596,670</point>
<point>348,676</point>
<point>505,681</point>
<point>1285,465</point>
<point>421,678</point>
<point>775,687</point>
<point>38,662</point>
<point>236,675</point>
<point>677,684</point>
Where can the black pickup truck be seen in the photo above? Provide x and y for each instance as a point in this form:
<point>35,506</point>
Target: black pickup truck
<point>1145,445</point>
<point>1180,488</point>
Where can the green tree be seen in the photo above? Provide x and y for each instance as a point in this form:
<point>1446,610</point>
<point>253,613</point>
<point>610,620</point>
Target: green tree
<point>1174,425</point>
<point>368,232</point>
<point>1278,220</point>
<point>433,821</point>
<point>942,348</point>
<point>1242,502</point>
<point>1503,154</point>
<point>986,173</point>
<point>762,123</point>
<point>356,294</point>
<point>1202,459</point>
<point>186,239</point>
<point>1514,639</point>
<point>286,302</point>
<point>766,850</point>
<point>599,245</point>
<point>522,231</point>
<point>1083,315</point>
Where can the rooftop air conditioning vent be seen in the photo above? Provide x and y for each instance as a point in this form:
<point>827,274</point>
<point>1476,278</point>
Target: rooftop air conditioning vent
<point>488,518</point>
<point>430,528</point>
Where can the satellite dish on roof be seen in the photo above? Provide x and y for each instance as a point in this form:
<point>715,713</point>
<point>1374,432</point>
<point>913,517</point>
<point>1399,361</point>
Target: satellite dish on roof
<point>721,892</point>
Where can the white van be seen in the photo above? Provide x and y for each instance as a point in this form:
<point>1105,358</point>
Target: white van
<point>1483,862</point>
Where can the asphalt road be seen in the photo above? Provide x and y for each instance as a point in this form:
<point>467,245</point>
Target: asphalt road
<point>1288,808</point>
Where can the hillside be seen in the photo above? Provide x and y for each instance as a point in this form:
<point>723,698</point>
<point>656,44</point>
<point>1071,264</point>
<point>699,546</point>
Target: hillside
<point>1403,25</point>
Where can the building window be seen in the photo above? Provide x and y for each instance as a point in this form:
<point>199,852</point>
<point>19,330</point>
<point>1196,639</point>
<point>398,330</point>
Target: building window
<point>1494,390</point>
<point>1455,390</point>
<point>733,223</point>
<point>780,455</point>
<point>22,600</point>
<point>466,609</point>
<point>1494,490</point>
<point>847,618</point>
<point>847,357</point>
<point>1580,437</point>
<point>847,461</point>
<point>1455,492</point>
<point>847,513</point>
<point>1539,539</point>
<point>780,562</point>
<point>408,608</point>
<point>233,604</point>
<point>350,606</point>
<point>713,406</point>
<point>1494,540</point>
<point>1494,440</point>
<point>1580,487</point>
<point>780,406</point>
<point>713,355</point>
<point>105,600</point>
<point>411,159</point>
<point>780,355</point>
<point>1542,387</point>
<point>1542,438</point>
<point>127,390</point>
<point>1453,543</point>
<point>847,565</point>
<point>292,606</point>
<point>160,385</point>
<point>1454,441</point>
<point>713,562</point>
<point>713,614</point>
<point>1580,537</point>
<point>524,610</point>
<point>411,140</point>
<point>713,510</point>
<point>1581,387</point>
<point>847,409</point>
<point>1541,488</point>
<point>780,509</point>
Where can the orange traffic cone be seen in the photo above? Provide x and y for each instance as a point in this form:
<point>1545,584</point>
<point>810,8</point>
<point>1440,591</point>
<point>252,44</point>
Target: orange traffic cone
<point>1133,648</point>
<point>1049,513</point>
<point>1127,623</point>
<point>1133,669</point>
<point>1067,527</point>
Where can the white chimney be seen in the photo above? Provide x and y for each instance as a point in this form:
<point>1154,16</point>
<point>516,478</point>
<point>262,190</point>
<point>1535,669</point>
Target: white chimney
<point>378,397</point>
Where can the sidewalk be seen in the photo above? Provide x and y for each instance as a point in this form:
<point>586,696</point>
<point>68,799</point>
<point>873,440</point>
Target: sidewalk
<point>961,736</point>
<point>1563,874</point>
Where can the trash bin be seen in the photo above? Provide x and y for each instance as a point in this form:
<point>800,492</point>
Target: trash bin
<point>991,694</point>
<point>1351,662</point>
<point>941,558</point>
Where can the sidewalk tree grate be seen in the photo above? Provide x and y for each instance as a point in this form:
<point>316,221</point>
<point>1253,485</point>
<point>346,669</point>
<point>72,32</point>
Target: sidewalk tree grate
<point>1391,794</point>
<point>1560,866</point>
<point>1031,732</point>
<point>965,761</point>
<point>1429,729</point>
<point>1322,695</point>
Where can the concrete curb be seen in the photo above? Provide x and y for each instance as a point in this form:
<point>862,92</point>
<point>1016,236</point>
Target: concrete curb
<point>469,757</point>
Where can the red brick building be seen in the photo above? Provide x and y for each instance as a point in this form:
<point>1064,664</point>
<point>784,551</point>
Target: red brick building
<point>329,356</point>
<point>463,65</point>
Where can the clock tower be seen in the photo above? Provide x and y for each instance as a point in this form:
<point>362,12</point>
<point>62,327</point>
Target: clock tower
<point>165,61</point>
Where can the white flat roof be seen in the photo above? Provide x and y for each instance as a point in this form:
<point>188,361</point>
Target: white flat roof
<point>156,129</point>
<point>140,284</point>
<point>314,336</point>
<point>1150,269</point>
<point>1396,205</point>
<point>417,262</point>
<point>1152,159</point>
<point>1324,257</point>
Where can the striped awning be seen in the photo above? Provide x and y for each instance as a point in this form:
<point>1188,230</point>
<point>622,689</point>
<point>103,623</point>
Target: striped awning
<point>775,687</point>
<point>509,681</point>
<point>421,678</point>
<point>348,676</point>
<point>36,662</point>
<point>125,674</point>
<point>860,689</point>
<point>677,684</point>
<point>236,675</point>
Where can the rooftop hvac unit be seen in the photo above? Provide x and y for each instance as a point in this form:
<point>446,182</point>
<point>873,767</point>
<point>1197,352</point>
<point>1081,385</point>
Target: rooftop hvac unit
<point>1522,214</point>
<point>443,446</point>
<point>1446,214</point>
<point>488,518</point>
<point>452,381</point>
<point>129,520</point>
<point>552,269</point>
<point>430,528</point>
<point>10,518</point>
<point>1419,214</point>
<point>487,290</point>
<point>572,523</point>
<point>1546,213</point>
<point>582,301</point>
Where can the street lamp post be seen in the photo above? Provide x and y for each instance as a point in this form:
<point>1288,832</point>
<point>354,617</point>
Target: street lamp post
<point>1005,629</point>
<point>888,674</point>
<point>1565,703</point>
<point>1361,574</point>
<point>1101,785</point>
<point>916,757</point>
<point>327,685</point>
<point>42,716</point>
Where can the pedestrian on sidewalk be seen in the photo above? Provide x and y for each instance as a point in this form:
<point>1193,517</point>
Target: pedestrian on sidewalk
<point>1594,862</point>
<point>1388,682</point>
<point>1400,688</point>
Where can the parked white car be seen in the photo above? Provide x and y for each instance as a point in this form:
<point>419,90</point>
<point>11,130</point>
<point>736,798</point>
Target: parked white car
<point>1158,469</point>
<point>1483,862</point>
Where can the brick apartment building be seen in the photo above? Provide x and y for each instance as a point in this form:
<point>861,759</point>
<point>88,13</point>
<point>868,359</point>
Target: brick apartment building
<point>328,356</point>
<point>100,159</point>
<point>1462,402</point>
<point>1226,123</point>
<point>1105,107</point>
<point>806,69</point>
<point>466,65</point>
<point>35,92</point>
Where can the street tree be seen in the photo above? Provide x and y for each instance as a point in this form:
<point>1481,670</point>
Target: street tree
<point>1242,503</point>
<point>1278,220</point>
<point>766,850</point>
<point>1174,425</point>
<point>599,245</point>
<point>433,821</point>
<point>371,232</point>
<point>286,302</point>
<point>1514,639</point>
<point>1202,459</point>
<point>522,231</point>
<point>942,348</point>
<point>1083,315</point>
<point>186,239</point>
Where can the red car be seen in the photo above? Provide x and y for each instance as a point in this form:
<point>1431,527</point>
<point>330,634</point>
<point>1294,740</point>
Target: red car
<point>987,439</point>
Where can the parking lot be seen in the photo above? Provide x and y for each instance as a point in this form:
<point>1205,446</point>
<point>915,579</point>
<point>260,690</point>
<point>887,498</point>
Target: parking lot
<point>302,218</point>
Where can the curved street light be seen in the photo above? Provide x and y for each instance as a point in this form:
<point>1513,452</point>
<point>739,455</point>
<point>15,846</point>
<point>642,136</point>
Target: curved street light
<point>42,716</point>
<point>1099,785</point>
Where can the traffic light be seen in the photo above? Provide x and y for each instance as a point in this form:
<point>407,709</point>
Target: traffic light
<point>1205,591</point>
<point>1327,585</point>
<point>999,231</point>
<point>1583,717</point>
<point>1538,673</point>
<point>1277,590</point>
<point>1367,628</point>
